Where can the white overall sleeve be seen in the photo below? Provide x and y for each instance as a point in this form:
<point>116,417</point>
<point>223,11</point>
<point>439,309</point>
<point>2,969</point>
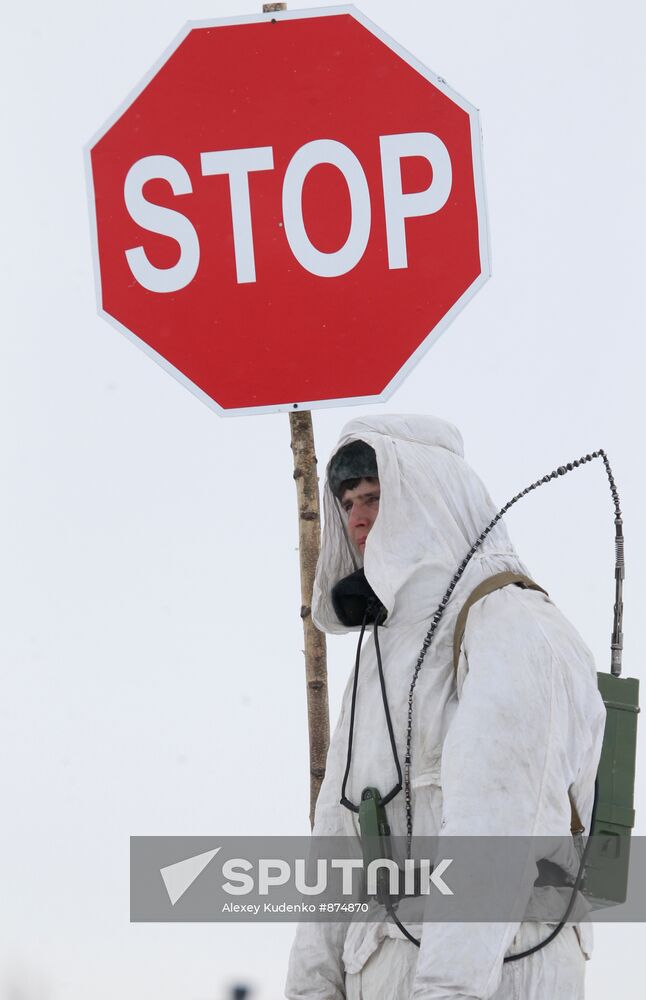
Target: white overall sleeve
<point>505,772</point>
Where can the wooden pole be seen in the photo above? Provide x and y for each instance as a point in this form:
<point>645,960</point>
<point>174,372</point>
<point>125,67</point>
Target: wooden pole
<point>309,537</point>
<point>309,543</point>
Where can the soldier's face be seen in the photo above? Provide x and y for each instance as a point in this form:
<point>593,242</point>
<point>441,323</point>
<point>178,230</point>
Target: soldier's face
<point>361,506</point>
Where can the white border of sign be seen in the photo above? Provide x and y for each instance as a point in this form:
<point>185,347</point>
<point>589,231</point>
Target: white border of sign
<point>481,202</point>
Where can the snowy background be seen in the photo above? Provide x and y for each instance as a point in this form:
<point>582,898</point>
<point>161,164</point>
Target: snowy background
<point>152,675</point>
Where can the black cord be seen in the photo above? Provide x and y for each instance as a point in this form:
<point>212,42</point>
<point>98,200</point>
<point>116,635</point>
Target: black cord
<point>575,889</point>
<point>389,722</point>
<point>344,800</point>
<point>390,909</point>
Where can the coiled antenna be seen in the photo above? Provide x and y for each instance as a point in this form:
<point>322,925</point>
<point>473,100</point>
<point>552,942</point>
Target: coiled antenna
<point>617,639</point>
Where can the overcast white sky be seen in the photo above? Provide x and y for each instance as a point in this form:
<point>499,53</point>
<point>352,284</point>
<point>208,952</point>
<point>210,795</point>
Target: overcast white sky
<point>152,676</point>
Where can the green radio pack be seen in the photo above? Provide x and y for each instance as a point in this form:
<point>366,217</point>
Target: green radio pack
<point>606,874</point>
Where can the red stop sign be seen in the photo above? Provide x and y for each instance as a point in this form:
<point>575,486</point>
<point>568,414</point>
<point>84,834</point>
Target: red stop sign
<point>289,211</point>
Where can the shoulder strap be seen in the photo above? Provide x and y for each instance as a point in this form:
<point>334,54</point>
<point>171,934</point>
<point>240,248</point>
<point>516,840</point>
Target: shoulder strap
<point>488,586</point>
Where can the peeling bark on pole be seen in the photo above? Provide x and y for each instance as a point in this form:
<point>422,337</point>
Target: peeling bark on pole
<point>309,536</point>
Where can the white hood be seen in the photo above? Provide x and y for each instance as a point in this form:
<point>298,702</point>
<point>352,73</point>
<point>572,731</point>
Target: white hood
<point>432,508</point>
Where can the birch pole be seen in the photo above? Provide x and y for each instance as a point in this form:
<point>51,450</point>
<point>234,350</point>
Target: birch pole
<point>309,539</point>
<point>309,544</point>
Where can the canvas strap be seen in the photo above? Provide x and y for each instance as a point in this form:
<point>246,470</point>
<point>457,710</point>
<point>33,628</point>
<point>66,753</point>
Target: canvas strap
<point>488,586</point>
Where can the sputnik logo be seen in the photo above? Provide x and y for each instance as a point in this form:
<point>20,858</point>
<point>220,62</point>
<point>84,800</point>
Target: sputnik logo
<point>180,876</point>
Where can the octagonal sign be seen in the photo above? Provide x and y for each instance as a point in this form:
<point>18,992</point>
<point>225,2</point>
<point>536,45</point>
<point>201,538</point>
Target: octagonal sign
<point>289,211</point>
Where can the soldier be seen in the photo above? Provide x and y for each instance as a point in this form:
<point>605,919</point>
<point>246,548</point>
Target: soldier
<point>502,747</point>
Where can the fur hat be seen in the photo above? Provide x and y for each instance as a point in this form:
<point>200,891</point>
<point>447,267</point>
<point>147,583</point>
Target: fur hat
<point>356,460</point>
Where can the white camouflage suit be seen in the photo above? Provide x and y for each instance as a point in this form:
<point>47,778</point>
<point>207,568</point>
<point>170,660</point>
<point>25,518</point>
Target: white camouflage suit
<point>494,754</point>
